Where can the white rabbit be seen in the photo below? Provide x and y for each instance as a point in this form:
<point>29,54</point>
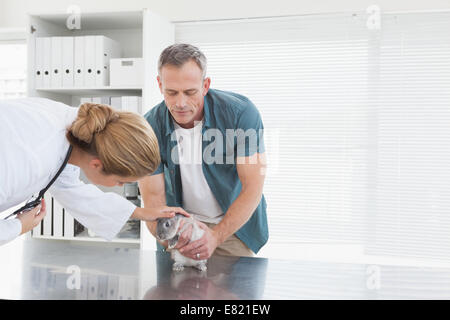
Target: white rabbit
<point>166,229</point>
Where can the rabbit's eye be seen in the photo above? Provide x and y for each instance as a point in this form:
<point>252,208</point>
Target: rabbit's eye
<point>167,224</point>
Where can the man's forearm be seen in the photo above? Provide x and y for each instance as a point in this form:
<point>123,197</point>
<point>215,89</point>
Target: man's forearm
<point>152,201</point>
<point>238,213</point>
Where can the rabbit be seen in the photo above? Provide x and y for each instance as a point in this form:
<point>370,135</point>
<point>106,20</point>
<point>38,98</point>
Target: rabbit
<point>167,228</point>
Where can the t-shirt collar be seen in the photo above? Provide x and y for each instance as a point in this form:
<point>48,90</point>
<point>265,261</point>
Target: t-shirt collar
<point>206,117</point>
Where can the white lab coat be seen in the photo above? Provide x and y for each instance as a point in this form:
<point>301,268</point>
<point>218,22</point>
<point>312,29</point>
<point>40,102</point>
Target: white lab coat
<point>32,149</point>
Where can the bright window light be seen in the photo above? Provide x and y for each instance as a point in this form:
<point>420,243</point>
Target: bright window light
<point>13,69</point>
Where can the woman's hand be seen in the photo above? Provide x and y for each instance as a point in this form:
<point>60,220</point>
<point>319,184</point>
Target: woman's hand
<point>30,219</point>
<point>151,214</point>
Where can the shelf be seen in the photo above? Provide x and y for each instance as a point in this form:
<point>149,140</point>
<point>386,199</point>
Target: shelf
<point>92,239</point>
<point>97,91</point>
<point>98,20</point>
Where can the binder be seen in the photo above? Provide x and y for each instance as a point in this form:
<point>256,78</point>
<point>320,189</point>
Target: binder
<point>127,288</point>
<point>84,100</point>
<point>132,104</point>
<point>78,61</point>
<point>125,106</point>
<point>47,221</point>
<point>82,293</point>
<point>116,103</point>
<point>47,62</point>
<point>105,49</point>
<point>139,101</point>
<point>39,63</point>
<point>106,100</point>
<point>57,219</point>
<point>102,293</point>
<point>56,62</point>
<point>92,292</point>
<point>67,62</point>
<point>69,224</point>
<point>37,231</point>
<point>113,287</point>
<point>89,61</point>
<point>102,100</point>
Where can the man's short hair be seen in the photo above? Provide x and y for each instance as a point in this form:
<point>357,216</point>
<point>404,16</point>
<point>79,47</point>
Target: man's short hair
<point>180,53</point>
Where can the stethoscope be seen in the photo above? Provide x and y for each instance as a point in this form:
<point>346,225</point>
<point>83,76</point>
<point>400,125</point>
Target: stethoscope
<point>35,201</point>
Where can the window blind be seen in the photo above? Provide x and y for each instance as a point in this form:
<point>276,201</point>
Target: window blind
<point>357,124</point>
<point>412,171</point>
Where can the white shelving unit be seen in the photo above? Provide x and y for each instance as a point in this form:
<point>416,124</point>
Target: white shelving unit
<point>141,34</point>
<point>94,91</point>
<point>92,239</point>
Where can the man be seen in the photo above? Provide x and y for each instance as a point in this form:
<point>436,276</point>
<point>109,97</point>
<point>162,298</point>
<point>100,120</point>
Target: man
<point>212,158</point>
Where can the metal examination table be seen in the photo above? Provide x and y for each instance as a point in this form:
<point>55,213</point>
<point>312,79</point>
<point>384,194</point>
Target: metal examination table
<point>68,270</point>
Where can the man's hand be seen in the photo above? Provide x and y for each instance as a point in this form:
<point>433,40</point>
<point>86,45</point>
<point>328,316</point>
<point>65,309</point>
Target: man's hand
<point>185,236</point>
<point>151,214</point>
<point>204,246</point>
<point>30,219</point>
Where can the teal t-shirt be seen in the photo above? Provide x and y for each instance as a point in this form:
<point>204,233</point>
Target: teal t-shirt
<point>232,128</point>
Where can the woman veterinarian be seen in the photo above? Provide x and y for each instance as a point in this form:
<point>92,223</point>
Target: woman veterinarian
<point>44,144</point>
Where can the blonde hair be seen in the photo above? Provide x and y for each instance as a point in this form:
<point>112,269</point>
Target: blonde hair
<point>123,141</point>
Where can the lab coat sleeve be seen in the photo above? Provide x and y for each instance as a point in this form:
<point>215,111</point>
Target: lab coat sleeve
<point>105,213</point>
<point>9,230</point>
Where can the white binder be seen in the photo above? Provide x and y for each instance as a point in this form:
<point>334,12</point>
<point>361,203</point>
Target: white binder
<point>47,62</point>
<point>47,221</point>
<point>106,100</point>
<point>78,61</point>
<point>102,100</point>
<point>139,106</point>
<point>105,49</point>
<point>132,104</point>
<point>102,293</point>
<point>56,62</point>
<point>85,100</point>
<point>92,293</point>
<point>57,219</point>
<point>69,225</point>
<point>39,63</point>
<point>113,287</point>
<point>82,293</point>
<point>127,288</point>
<point>116,103</point>
<point>37,229</point>
<point>67,62</point>
<point>89,61</point>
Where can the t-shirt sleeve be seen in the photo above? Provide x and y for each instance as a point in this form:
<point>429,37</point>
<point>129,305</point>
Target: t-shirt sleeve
<point>249,132</point>
<point>159,170</point>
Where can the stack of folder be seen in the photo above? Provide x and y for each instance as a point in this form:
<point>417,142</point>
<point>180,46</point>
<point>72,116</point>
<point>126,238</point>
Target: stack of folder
<point>67,62</point>
<point>125,103</point>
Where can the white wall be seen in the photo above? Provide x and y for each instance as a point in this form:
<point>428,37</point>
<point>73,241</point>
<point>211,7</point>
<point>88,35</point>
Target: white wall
<point>13,12</point>
<point>2,12</point>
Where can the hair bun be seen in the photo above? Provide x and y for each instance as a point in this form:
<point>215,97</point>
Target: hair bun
<point>92,118</point>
